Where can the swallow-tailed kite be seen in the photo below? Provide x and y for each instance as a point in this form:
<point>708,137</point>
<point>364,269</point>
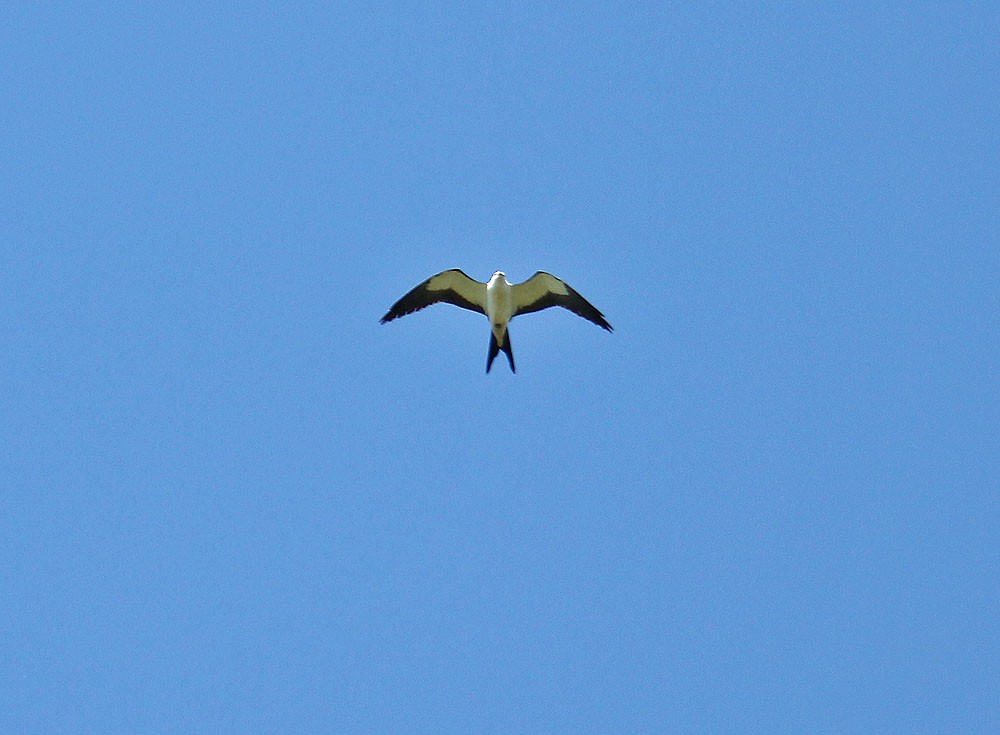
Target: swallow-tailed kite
<point>499,300</point>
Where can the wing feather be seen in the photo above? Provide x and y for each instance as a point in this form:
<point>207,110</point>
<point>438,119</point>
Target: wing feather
<point>451,286</point>
<point>543,290</point>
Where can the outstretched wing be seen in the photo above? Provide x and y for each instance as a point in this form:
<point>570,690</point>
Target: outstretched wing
<point>452,286</point>
<point>543,290</point>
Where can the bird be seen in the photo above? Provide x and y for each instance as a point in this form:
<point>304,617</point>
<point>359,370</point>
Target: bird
<point>499,300</point>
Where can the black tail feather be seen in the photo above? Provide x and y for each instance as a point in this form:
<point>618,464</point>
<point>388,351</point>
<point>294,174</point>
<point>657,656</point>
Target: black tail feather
<point>495,349</point>
<point>508,351</point>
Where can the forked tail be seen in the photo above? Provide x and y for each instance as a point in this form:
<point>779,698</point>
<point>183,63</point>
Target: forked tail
<point>495,348</point>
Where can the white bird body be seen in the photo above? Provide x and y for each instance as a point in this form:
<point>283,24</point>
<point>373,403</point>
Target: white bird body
<point>499,300</point>
<point>499,303</point>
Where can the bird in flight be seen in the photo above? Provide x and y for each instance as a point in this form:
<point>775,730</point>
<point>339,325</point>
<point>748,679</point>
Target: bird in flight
<point>499,300</point>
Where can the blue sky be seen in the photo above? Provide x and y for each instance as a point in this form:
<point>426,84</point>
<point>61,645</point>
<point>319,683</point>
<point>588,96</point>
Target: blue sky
<point>233,502</point>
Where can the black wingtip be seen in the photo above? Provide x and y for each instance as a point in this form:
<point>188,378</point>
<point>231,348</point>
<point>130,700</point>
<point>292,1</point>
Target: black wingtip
<point>599,319</point>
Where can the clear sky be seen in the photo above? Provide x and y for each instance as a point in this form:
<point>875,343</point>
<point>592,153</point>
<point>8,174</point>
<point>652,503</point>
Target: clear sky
<point>232,502</point>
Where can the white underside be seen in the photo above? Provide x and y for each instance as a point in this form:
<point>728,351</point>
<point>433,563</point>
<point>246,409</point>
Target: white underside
<point>499,303</point>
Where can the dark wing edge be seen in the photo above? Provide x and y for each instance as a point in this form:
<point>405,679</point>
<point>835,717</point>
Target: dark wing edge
<point>572,301</point>
<point>420,297</point>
